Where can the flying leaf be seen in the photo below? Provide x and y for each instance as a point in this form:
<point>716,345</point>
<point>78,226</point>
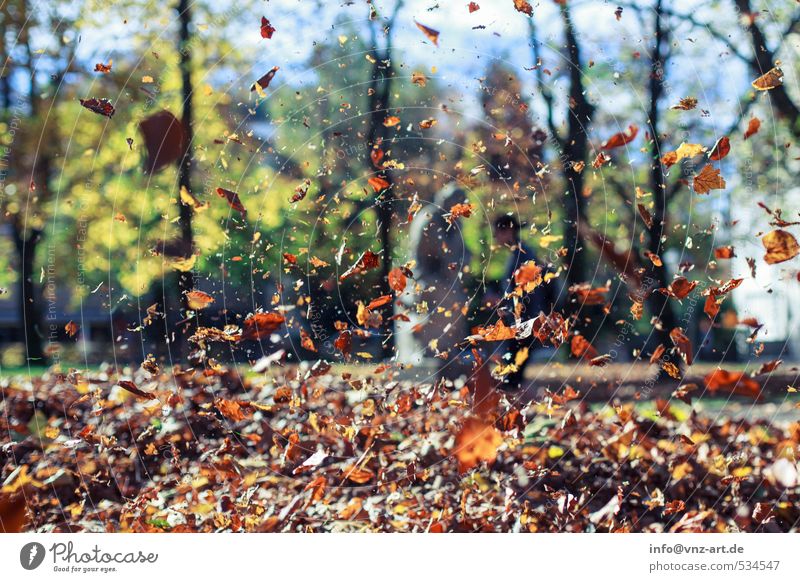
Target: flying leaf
<point>476,442</point>
<point>721,149</point>
<point>621,138</point>
<point>524,7</point>
<point>708,179</point>
<point>260,325</point>
<point>769,80</point>
<point>433,35</point>
<point>368,260</point>
<point>100,106</point>
<point>233,201</point>
<point>267,30</point>
<point>781,246</point>
<point>265,80</point>
<point>752,127</point>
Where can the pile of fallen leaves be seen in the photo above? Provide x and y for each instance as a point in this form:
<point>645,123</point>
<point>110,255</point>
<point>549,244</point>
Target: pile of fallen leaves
<point>307,450</point>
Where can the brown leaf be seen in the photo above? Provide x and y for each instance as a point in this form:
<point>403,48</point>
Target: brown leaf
<point>267,30</point>
<point>621,138</point>
<point>397,280</point>
<point>379,301</point>
<point>433,35</point>
<point>580,347</point>
<point>524,7</point>
<point>645,214</point>
<point>164,140</point>
<point>265,80</point>
<point>306,342</point>
<point>708,179</point>
<point>233,201</point>
<point>683,344</point>
<point>261,325</point>
<point>368,260</point>
<point>732,382</point>
<point>378,183</point>
<point>71,328</point>
<point>679,288</point>
<point>725,252</point>
<point>100,106</point>
<point>752,127</point>
<point>476,442</point>
<point>780,245</point>
<point>721,149</point>
<point>198,300</point>
<point>769,80</point>
<point>134,389</point>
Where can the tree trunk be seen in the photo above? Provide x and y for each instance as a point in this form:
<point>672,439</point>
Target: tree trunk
<point>660,305</point>
<point>185,279</point>
<point>29,306</point>
<point>378,103</point>
<point>576,147</point>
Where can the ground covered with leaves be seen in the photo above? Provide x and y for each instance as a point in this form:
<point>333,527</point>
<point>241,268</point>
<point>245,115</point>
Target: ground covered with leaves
<point>310,449</point>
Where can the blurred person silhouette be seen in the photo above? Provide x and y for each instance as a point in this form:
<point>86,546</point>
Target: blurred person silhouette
<point>437,301</point>
<point>506,229</point>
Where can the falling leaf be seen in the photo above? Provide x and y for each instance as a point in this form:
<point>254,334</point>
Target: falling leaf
<point>261,325</point>
<point>473,7</point>
<point>267,30</point>
<point>164,140</point>
<point>679,288</point>
<point>461,210</point>
<point>781,246</point>
<point>708,179</point>
<point>71,328</point>
<point>101,68</point>
<point>524,7</point>
<point>134,389</point>
<point>430,33</point>
<point>476,442</point>
<point>391,121</point>
<point>685,150</point>
<point>683,344</point>
<point>265,80</point>
<point>720,150</point>
<point>397,280</point>
<point>622,138</point>
<point>580,347</point>
<point>233,201</point>
<point>732,382</point>
<point>99,106</point>
<point>685,104</point>
<point>769,80</point>
<point>197,300</point>
<point>368,260</point>
<point>378,183</point>
<point>752,127</point>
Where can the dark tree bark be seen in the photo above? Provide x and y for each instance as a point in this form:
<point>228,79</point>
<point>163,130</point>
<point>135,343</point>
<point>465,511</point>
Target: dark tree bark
<point>29,298</point>
<point>763,60</point>
<point>185,279</point>
<point>378,102</point>
<point>575,149</point>
<point>660,305</point>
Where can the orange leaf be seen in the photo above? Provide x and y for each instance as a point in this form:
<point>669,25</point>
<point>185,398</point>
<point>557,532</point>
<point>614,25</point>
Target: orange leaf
<point>621,138</point>
<point>708,179</point>
<point>781,246</point>
<point>733,382</point>
<point>477,441</point>
<point>752,127</point>
<point>432,34</point>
